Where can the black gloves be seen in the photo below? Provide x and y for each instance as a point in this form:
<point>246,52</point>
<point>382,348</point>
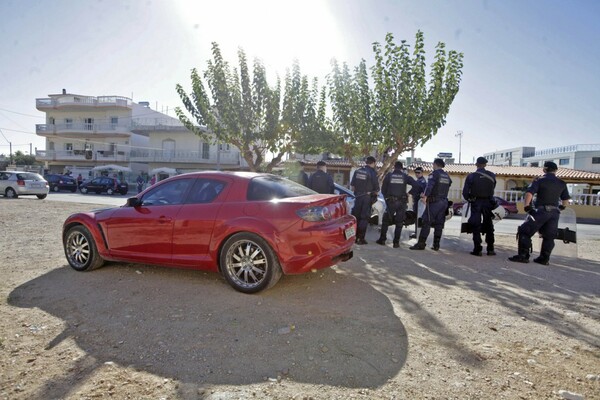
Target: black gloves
<point>528,209</point>
<point>561,207</point>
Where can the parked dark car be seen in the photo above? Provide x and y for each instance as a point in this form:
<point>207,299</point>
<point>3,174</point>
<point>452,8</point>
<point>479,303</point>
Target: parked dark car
<point>61,182</point>
<point>104,184</point>
<point>509,206</point>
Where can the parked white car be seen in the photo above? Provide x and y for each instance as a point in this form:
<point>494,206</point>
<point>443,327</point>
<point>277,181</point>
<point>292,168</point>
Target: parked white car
<point>18,183</point>
<point>377,209</point>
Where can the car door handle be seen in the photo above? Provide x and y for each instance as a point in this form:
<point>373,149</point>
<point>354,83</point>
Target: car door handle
<point>163,220</point>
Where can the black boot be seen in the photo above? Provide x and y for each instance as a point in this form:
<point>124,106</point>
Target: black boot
<point>490,251</point>
<point>522,257</point>
<point>476,251</point>
<point>436,243</point>
<point>381,241</point>
<point>420,245</point>
<point>541,260</point>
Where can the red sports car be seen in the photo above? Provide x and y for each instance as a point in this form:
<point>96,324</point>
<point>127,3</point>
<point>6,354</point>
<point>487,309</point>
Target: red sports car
<point>250,227</point>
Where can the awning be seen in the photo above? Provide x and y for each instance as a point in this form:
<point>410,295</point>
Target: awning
<point>112,167</point>
<point>163,170</point>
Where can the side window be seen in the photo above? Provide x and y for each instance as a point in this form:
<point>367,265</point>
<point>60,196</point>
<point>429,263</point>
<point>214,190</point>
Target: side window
<point>205,191</point>
<point>168,193</point>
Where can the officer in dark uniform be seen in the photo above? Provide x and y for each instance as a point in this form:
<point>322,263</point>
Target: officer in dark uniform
<point>479,192</point>
<point>415,192</point>
<point>544,217</point>
<point>364,183</point>
<point>321,181</point>
<point>302,175</point>
<point>436,199</point>
<point>396,198</point>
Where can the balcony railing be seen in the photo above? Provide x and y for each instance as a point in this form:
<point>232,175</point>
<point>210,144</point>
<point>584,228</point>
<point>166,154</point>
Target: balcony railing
<point>86,101</point>
<point>193,157</point>
<point>80,127</point>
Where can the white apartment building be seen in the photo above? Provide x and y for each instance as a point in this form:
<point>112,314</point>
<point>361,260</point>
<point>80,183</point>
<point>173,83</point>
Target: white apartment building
<point>86,132</point>
<point>584,157</point>
<point>514,157</point>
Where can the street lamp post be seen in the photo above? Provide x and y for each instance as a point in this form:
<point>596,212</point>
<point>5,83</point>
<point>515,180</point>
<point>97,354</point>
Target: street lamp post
<point>459,134</point>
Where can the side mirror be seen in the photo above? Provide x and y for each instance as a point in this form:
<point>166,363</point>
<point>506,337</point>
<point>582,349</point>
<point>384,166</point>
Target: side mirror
<point>133,202</point>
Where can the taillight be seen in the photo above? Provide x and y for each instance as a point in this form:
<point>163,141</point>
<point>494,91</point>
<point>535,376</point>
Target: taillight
<point>314,214</point>
<point>21,182</point>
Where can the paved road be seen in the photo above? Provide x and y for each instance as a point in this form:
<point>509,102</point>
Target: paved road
<point>507,226</point>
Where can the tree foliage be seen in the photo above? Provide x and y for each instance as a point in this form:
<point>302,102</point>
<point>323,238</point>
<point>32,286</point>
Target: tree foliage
<point>242,109</point>
<point>402,110</point>
<point>21,158</point>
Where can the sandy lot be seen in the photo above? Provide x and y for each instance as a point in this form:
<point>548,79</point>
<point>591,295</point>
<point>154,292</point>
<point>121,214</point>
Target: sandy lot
<point>388,324</point>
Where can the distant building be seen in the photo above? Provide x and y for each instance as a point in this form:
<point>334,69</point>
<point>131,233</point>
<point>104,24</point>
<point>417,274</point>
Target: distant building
<point>514,157</point>
<point>584,157</point>
<point>86,132</point>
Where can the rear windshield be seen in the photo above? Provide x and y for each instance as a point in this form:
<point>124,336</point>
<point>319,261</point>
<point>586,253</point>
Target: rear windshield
<point>269,187</point>
<point>29,176</point>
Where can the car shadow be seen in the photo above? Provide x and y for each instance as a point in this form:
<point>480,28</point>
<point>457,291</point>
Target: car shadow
<point>320,328</point>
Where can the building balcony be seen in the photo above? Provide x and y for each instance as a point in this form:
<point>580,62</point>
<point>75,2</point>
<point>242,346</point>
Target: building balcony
<point>79,129</point>
<point>82,155</point>
<point>75,102</point>
<point>192,157</point>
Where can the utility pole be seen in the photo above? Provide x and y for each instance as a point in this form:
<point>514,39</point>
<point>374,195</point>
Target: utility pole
<point>459,135</point>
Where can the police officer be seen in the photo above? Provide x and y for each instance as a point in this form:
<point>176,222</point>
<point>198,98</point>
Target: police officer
<point>479,192</point>
<point>415,192</point>
<point>544,217</point>
<point>321,181</point>
<point>436,199</point>
<point>302,175</point>
<point>364,183</point>
<point>396,198</point>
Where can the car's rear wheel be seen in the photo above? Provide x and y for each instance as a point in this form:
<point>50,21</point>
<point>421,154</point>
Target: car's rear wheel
<point>10,193</point>
<point>110,191</point>
<point>41,196</point>
<point>55,189</point>
<point>83,190</point>
<point>458,211</point>
<point>248,263</point>
<point>80,249</point>
<point>73,190</point>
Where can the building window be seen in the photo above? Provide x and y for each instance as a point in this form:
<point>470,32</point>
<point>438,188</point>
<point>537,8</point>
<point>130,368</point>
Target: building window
<point>69,123</point>
<point>535,164</point>
<point>69,146</point>
<point>595,160</point>
<point>205,151</point>
<point>563,161</point>
<point>223,147</point>
<point>88,124</point>
<point>114,121</point>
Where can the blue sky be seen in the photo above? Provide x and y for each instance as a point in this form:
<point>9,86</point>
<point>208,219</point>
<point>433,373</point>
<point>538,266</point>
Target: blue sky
<point>530,76</point>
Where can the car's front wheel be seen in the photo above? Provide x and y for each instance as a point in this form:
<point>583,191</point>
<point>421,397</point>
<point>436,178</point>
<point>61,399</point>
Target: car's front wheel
<point>80,249</point>
<point>41,196</point>
<point>248,263</point>
<point>110,191</point>
<point>83,190</point>
<point>10,193</point>
<point>55,189</point>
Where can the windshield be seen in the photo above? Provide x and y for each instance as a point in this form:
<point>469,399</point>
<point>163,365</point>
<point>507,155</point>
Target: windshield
<point>269,187</point>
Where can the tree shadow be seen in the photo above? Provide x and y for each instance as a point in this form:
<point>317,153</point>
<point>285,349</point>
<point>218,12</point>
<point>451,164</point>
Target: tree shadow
<point>323,328</point>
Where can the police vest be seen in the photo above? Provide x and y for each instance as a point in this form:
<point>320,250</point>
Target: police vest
<point>549,191</point>
<point>397,185</point>
<point>362,181</point>
<point>483,185</point>
<point>319,182</point>
<point>441,187</point>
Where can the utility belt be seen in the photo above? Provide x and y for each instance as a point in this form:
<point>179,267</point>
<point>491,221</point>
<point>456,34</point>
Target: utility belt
<point>396,198</point>
<point>547,208</point>
<point>433,199</point>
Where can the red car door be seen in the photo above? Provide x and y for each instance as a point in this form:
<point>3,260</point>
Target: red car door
<point>194,225</point>
<point>145,233</point>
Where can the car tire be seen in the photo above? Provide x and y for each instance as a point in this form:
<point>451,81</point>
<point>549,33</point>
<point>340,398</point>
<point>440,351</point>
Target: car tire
<point>83,190</point>
<point>41,196</point>
<point>80,249</point>
<point>248,263</point>
<point>55,189</point>
<point>458,211</point>
<point>109,191</point>
<point>11,193</point>
<point>73,190</point>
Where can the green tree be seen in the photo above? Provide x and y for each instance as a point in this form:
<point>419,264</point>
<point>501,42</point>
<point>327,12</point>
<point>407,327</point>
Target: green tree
<point>242,109</point>
<point>19,158</point>
<point>403,110</point>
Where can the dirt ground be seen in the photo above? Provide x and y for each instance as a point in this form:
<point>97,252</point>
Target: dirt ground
<point>388,324</point>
